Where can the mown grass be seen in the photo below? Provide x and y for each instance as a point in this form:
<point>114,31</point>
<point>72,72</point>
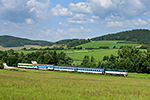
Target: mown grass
<point>111,44</point>
<point>48,85</point>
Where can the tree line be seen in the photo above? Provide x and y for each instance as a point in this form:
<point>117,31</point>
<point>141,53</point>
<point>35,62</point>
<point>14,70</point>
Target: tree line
<point>140,36</point>
<point>42,57</point>
<point>10,41</point>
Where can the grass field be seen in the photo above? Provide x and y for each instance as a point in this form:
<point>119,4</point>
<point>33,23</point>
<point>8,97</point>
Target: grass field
<point>111,44</point>
<point>52,85</point>
<point>97,54</point>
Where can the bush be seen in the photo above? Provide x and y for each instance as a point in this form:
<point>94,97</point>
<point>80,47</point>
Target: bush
<point>1,65</point>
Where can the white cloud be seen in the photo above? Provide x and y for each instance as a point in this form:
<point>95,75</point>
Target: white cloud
<point>74,32</point>
<point>81,7</point>
<point>115,24</point>
<point>29,21</point>
<point>63,24</point>
<point>81,19</point>
<point>59,34</point>
<point>95,17</point>
<point>128,23</point>
<point>126,9</point>
<point>78,19</point>
<point>17,11</point>
<point>77,22</point>
<point>139,22</point>
<point>51,34</point>
<point>60,11</point>
<point>149,20</point>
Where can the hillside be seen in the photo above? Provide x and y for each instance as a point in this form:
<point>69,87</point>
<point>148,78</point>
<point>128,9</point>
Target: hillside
<point>141,36</point>
<point>109,43</point>
<point>72,42</point>
<point>10,41</point>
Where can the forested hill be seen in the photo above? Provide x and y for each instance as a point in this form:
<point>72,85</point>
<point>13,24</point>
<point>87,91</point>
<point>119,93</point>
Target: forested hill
<point>141,36</point>
<point>10,41</point>
<point>73,42</point>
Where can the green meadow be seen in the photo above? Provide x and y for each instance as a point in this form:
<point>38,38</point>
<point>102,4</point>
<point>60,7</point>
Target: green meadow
<point>111,44</point>
<point>53,85</point>
<point>78,55</point>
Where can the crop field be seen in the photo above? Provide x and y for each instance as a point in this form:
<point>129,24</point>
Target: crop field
<point>52,85</point>
<point>111,44</point>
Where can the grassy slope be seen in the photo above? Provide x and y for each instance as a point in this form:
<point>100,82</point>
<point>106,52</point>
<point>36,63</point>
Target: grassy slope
<point>97,44</point>
<point>97,54</point>
<point>48,85</point>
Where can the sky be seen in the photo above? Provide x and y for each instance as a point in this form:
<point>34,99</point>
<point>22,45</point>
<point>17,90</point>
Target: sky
<point>54,20</point>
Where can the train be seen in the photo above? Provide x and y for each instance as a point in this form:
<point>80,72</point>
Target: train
<point>49,67</point>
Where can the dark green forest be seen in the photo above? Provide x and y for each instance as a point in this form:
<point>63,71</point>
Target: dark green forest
<point>42,57</point>
<point>73,42</point>
<point>10,41</point>
<point>141,36</point>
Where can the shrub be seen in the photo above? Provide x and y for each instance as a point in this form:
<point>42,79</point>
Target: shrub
<point>1,65</point>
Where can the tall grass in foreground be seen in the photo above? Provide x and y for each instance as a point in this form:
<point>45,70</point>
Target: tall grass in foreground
<point>47,85</point>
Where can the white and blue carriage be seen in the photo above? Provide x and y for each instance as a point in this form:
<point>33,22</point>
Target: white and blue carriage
<point>74,69</point>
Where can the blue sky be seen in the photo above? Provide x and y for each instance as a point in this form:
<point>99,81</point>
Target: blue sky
<point>54,20</point>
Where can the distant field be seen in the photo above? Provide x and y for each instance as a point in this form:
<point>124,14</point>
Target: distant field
<point>78,55</point>
<point>111,44</point>
<point>51,85</point>
<point>29,46</point>
<point>25,52</point>
<point>19,48</point>
<point>93,44</point>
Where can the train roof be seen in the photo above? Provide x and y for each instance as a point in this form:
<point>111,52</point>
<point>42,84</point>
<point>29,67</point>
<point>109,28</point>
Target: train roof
<point>80,67</point>
<point>119,70</point>
<point>24,64</point>
<point>44,64</point>
<point>65,66</point>
<point>35,64</point>
<point>91,68</point>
